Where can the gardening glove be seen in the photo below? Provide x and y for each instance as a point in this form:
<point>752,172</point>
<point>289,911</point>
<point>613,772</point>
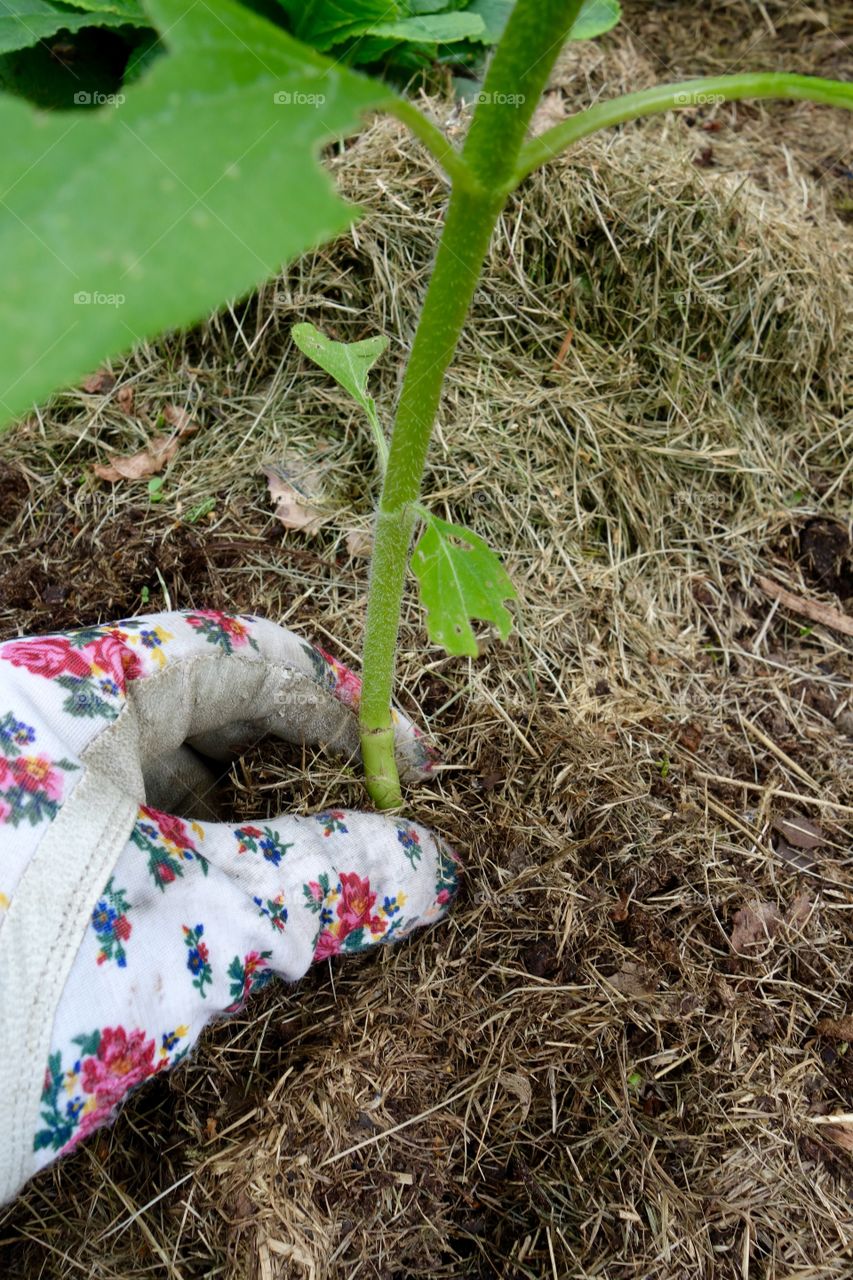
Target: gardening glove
<point>125,929</point>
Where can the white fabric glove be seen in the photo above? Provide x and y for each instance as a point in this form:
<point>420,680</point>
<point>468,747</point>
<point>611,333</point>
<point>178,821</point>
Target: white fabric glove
<point>124,929</point>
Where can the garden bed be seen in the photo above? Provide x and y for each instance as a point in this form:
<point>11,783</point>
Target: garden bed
<point>619,1056</point>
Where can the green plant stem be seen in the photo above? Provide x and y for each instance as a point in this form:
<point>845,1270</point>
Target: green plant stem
<point>517,75</point>
<point>668,97</point>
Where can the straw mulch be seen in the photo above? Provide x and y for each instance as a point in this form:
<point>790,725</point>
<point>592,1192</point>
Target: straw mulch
<point>627,1055</point>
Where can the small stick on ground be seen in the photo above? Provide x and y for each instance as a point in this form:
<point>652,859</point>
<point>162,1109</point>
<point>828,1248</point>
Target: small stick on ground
<point>812,609</point>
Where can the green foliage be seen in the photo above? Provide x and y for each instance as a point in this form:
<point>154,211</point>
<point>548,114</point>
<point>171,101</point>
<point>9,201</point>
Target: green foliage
<point>362,30</point>
<point>26,22</point>
<point>122,223</point>
<point>595,17</point>
<point>408,33</point>
<point>460,579</point>
<point>349,364</point>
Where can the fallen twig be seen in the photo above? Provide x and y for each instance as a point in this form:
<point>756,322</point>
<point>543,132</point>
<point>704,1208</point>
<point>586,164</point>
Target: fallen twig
<point>812,609</point>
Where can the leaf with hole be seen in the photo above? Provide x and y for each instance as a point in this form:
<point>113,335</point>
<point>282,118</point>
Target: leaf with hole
<point>460,578</point>
<point>120,223</point>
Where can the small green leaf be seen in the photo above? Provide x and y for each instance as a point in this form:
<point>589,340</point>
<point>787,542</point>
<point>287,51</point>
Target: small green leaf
<point>89,1044</point>
<point>200,510</point>
<point>349,364</point>
<point>155,489</point>
<point>458,583</point>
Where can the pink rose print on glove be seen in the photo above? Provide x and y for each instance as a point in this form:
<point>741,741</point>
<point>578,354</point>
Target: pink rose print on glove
<point>355,905</point>
<point>46,656</point>
<point>347,688</point>
<point>172,828</point>
<point>354,902</point>
<point>116,658</point>
<point>327,946</point>
<point>36,775</point>
<point>221,629</point>
<point>121,1062</point>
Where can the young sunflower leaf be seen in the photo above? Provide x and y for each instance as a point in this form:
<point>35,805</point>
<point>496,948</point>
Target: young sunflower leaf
<point>349,364</point>
<point>120,223</point>
<point>460,578</point>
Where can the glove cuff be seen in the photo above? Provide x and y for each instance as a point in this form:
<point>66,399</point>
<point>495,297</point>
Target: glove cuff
<point>39,940</point>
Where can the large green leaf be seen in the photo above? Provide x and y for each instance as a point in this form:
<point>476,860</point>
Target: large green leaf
<point>595,17</point>
<point>460,578</point>
<point>349,363</point>
<point>120,223</point>
<point>25,22</point>
<point>494,15</point>
<point>435,28</point>
<point>130,10</point>
<point>324,23</point>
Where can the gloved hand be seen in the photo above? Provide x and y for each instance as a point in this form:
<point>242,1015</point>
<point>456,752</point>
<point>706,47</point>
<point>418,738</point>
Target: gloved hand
<point>125,929</point>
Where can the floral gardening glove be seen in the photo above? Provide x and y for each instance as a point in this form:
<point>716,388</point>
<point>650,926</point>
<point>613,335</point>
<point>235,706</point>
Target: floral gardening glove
<point>123,929</point>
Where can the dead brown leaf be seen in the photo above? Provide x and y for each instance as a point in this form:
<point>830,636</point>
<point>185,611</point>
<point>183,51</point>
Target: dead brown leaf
<point>799,831</point>
<point>99,383</point>
<point>136,466</point>
<point>630,980</point>
<point>690,737</point>
<point>799,910</point>
<point>514,1082</point>
<point>840,1134</point>
<point>180,420</point>
<point>795,857</point>
<point>359,542</point>
<point>124,399</point>
<point>754,925</point>
<point>837,1028</point>
<point>295,501</point>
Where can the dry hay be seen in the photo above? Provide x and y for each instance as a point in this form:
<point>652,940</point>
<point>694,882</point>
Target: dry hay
<point>618,1057</point>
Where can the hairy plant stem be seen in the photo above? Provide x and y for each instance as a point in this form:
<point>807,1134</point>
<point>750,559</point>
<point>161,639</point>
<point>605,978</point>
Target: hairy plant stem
<point>517,75</point>
<point>669,97</point>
